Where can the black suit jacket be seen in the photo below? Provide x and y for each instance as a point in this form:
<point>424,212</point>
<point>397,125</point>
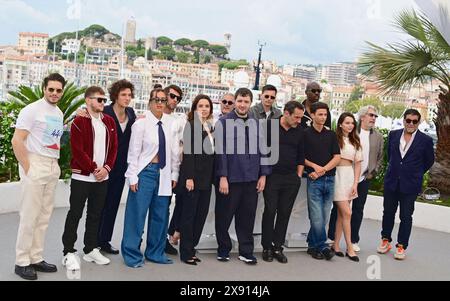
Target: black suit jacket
<point>198,158</point>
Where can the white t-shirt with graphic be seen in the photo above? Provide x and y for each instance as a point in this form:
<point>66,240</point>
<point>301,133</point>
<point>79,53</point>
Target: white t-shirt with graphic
<point>44,122</point>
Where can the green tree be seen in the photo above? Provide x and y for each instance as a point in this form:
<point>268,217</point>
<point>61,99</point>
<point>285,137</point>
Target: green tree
<point>164,41</point>
<point>199,44</point>
<point>167,52</point>
<point>218,50</point>
<point>150,55</point>
<point>425,55</point>
<point>207,59</point>
<point>183,57</point>
<point>393,110</point>
<point>357,93</point>
<point>355,106</point>
<point>183,42</point>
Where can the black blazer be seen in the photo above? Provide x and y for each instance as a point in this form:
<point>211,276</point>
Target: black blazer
<point>198,167</point>
<point>123,139</point>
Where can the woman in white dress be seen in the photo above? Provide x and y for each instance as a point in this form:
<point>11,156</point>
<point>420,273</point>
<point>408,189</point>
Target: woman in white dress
<point>347,177</point>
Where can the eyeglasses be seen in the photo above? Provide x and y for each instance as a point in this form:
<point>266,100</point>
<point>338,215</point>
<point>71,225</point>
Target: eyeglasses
<point>226,102</point>
<point>173,96</point>
<point>316,90</point>
<point>371,115</point>
<point>270,97</point>
<point>409,121</point>
<point>159,100</point>
<point>100,99</point>
<point>52,90</point>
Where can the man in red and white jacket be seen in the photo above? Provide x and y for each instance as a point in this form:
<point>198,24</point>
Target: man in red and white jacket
<point>94,151</point>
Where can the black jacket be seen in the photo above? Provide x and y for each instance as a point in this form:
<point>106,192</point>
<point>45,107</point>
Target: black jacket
<point>123,139</point>
<point>196,166</point>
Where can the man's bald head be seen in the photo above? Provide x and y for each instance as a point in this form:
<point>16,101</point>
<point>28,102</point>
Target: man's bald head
<point>313,91</point>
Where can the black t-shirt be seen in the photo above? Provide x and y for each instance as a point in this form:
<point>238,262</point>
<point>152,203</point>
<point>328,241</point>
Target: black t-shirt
<point>320,148</point>
<point>292,151</point>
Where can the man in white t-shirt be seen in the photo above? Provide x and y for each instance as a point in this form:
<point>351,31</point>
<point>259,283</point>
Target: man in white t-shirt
<point>36,145</point>
<point>93,141</point>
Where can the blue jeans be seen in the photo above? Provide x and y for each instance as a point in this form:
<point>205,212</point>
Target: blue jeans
<point>320,199</point>
<point>146,200</point>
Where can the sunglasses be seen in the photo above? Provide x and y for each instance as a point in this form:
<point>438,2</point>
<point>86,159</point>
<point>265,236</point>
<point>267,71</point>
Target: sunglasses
<point>409,121</point>
<point>371,115</point>
<point>100,99</point>
<point>173,96</point>
<point>52,90</point>
<point>270,97</point>
<point>159,100</point>
<point>226,102</point>
<point>316,90</point>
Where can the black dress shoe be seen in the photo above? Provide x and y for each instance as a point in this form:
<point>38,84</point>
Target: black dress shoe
<point>267,255</point>
<point>316,254</point>
<point>352,258</point>
<point>110,250</point>
<point>45,267</point>
<point>338,254</point>
<point>27,273</point>
<point>328,254</point>
<point>196,259</point>
<point>190,262</point>
<point>170,249</point>
<point>278,255</point>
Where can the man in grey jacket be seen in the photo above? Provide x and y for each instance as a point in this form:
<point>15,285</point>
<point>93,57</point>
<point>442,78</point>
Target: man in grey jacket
<point>266,109</point>
<point>372,144</point>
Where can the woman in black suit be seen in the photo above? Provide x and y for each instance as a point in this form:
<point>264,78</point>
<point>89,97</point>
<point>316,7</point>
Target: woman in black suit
<point>196,176</point>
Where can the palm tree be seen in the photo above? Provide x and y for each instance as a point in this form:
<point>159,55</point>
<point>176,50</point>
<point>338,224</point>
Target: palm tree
<point>69,103</point>
<point>425,56</point>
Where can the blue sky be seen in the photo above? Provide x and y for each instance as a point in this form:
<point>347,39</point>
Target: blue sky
<point>296,31</point>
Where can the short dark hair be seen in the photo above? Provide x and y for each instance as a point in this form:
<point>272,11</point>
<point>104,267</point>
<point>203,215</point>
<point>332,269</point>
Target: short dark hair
<point>319,106</point>
<point>54,77</point>
<point>292,105</point>
<point>244,92</point>
<point>155,92</point>
<point>157,86</point>
<point>269,88</point>
<point>413,112</point>
<point>118,87</point>
<point>93,90</point>
<point>174,87</point>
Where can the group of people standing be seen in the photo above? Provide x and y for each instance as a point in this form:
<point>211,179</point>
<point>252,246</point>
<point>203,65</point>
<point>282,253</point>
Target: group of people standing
<point>162,153</point>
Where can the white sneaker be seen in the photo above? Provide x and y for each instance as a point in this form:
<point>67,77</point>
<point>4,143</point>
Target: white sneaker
<point>356,248</point>
<point>330,242</point>
<point>71,261</point>
<point>97,257</point>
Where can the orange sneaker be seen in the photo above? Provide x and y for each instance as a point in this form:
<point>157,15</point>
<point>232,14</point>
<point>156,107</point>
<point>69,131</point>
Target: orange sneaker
<point>385,247</point>
<point>400,254</point>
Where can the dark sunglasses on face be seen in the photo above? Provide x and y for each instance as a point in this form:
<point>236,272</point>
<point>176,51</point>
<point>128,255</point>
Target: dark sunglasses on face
<point>52,90</point>
<point>372,115</point>
<point>226,102</point>
<point>316,90</point>
<point>100,99</point>
<point>160,100</point>
<point>270,97</point>
<point>173,96</point>
<point>409,121</point>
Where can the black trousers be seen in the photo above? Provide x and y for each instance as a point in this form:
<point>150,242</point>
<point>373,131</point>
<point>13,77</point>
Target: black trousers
<point>174,225</point>
<point>193,217</point>
<point>241,203</point>
<point>115,189</point>
<point>279,198</point>
<point>95,194</point>
<point>392,200</point>
<point>357,213</point>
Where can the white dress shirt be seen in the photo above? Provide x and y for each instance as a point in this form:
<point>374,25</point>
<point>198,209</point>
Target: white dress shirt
<point>144,146</point>
<point>404,147</point>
